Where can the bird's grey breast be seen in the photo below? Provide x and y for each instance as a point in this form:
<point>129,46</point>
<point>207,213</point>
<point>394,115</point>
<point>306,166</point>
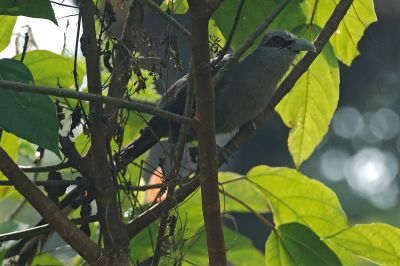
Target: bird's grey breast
<point>247,89</point>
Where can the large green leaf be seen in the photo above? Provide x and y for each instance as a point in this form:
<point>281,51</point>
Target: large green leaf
<point>27,115</point>
<point>253,13</point>
<point>46,259</point>
<point>310,105</point>
<point>233,184</point>
<point>52,69</point>
<point>28,8</point>
<point>344,41</point>
<point>7,25</point>
<point>296,244</point>
<point>294,197</point>
<point>379,243</point>
<point>242,189</point>
<point>240,250</point>
<point>10,144</point>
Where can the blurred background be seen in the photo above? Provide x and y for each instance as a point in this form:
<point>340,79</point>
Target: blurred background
<point>358,158</point>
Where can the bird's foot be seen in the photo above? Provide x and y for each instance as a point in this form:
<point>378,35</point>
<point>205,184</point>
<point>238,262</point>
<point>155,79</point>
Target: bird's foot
<point>251,126</point>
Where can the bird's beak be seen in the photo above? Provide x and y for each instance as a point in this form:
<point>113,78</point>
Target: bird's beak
<point>303,45</point>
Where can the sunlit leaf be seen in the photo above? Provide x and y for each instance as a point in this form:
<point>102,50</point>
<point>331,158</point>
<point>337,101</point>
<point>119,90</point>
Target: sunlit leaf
<point>10,144</point>
<point>178,6</point>
<point>243,190</point>
<point>379,243</point>
<point>7,25</point>
<point>350,31</point>
<point>294,197</point>
<point>27,115</point>
<point>149,94</point>
<point>240,250</point>
<point>296,244</point>
<point>309,107</point>
<point>28,8</point>
<point>46,259</point>
<point>52,69</point>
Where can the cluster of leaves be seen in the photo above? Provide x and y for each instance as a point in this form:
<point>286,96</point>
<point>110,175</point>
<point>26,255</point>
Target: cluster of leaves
<point>310,226</point>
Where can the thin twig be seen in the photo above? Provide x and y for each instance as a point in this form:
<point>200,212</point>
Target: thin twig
<point>168,18</point>
<point>93,97</point>
<point>46,182</point>
<point>230,37</point>
<point>61,4</point>
<point>140,188</point>
<point>25,47</point>
<point>41,229</point>
<point>174,173</point>
<point>254,212</point>
<point>38,169</point>
<point>75,72</point>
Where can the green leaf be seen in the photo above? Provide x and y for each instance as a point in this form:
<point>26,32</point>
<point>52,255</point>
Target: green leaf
<point>350,31</point>
<point>46,259</point>
<point>141,246</point>
<point>240,250</point>
<point>294,197</point>
<point>42,65</point>
<point>149,94</point>
<point>241,188</point>
<point>215,33</point>
<point>10,144</point>
<point>27,115</point>
<point>7,25</point>
<point>378,242</point>
<point>28,8</point>
<point>179,6</point>
<point>308,108</point>
<point>296,244</point>
<point>253,13</point>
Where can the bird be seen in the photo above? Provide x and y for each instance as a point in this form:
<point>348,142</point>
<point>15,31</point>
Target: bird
<point>240,95</point>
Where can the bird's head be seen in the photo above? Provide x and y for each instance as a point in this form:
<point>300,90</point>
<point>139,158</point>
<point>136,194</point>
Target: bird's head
<point>285,41</point>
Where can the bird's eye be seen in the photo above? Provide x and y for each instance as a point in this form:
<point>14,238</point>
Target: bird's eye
<point>278,41</point>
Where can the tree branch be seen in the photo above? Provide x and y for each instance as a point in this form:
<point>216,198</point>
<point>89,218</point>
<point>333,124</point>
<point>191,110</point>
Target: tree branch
<point>122,70</point>
<point>115,240</point>
<point>96,98</point>
<point>80,242</point>
<point>173,176</point>
<point>205,114</point>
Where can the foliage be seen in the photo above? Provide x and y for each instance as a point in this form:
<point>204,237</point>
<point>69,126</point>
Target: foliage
<point>310,226</point>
